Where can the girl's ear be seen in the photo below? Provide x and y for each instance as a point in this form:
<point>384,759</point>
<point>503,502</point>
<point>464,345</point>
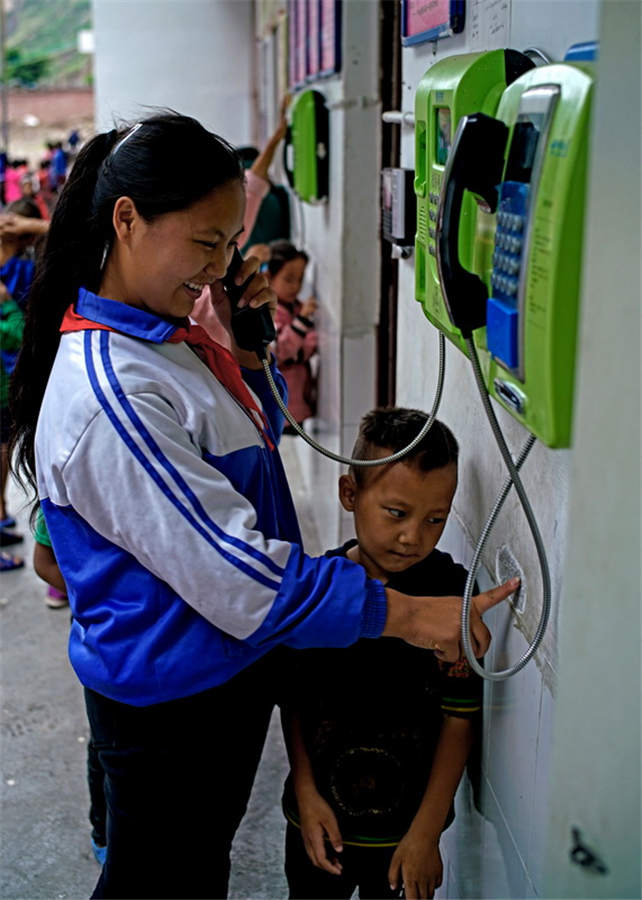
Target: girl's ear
<point>347,492</point>
<point>123,218</point>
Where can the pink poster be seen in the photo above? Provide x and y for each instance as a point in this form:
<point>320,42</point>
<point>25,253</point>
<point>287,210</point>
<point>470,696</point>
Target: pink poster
<point>313,39</point>
<point>330,26</point>
<point>292,5</point>
<point>301,40</point>
<point>429,20</point>
<point>425,15</point>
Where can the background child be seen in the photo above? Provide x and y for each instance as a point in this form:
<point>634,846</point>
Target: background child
<point>11,331</point>
<point>16,276</point>
<point>17,264</point>
<point>296,338</point>
<point>379,732</point>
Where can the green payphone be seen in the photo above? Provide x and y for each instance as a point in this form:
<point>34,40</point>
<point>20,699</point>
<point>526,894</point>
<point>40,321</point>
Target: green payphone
<point>452,88</point>
<point>305,152</point>
<point>528,166</point>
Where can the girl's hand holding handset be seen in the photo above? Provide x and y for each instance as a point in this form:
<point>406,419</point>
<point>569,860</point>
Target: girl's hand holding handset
<point>256,293</point>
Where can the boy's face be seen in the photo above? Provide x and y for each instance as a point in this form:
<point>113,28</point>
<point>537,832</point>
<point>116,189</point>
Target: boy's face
<point>399,514</point>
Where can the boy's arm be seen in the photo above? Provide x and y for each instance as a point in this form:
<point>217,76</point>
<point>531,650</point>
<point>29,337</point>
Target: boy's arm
<point>318,822</point>
<point>417,857</point>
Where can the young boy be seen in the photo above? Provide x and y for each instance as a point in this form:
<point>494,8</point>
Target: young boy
<point>379,732</point>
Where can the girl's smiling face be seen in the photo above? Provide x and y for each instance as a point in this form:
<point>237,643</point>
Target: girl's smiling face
<point>162,266</point>
<point>287,282</point>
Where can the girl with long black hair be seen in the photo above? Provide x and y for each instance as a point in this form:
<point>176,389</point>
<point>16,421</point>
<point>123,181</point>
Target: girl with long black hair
<point>153,450</point>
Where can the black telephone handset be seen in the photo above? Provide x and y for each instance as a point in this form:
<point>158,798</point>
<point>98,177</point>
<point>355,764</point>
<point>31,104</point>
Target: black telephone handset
<point>475,163</point>
<point>253,329</point>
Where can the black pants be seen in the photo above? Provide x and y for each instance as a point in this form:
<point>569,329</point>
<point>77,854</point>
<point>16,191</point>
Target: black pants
<point>178,776</point>
<point>97,805</point>
<point>363,867</point>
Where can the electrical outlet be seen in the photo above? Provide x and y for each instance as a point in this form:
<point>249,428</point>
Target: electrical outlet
<point>507,566</point>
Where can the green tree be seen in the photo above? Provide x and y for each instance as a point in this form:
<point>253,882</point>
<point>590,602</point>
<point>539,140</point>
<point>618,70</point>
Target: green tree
<point>25,72</point>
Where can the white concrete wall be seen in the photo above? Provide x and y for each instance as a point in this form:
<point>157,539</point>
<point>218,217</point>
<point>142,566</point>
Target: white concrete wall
<point>595,775</point>
<point>503,853</point>
<point>194,56</point>
<point>342,238</point>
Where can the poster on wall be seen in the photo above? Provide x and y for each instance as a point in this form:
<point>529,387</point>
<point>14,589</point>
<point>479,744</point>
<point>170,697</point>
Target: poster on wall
<point>428,20</point>
<point>301,41</point>
<point>314,38</point>
<point>283,56</point>
<point>297,42</point>
<point>292,5</point>
<point>330,30</point>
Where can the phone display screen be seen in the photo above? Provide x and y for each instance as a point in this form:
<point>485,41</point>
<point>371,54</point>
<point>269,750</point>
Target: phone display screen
<point>443,132</point>
<point>526,135</point>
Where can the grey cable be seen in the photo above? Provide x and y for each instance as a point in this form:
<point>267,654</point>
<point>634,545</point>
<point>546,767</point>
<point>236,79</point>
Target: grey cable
<point>346,460</point>
<point>514,479</point>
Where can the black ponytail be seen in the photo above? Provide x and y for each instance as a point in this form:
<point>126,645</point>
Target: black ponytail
<point>70,253</point>
<point>164,163</point>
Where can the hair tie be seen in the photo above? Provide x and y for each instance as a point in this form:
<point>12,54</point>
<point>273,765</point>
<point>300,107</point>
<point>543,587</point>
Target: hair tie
<point>129,134</point>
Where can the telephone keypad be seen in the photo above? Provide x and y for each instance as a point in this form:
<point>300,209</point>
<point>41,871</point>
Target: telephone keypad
<point>502,311</point>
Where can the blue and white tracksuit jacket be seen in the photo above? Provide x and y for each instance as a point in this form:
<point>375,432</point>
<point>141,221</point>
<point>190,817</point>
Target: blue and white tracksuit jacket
<point>172,522</point>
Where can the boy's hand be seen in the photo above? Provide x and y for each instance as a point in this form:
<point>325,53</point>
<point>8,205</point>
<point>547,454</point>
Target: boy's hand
<point>435,622</point>
<point>319,828</point>
<point>417,864</point>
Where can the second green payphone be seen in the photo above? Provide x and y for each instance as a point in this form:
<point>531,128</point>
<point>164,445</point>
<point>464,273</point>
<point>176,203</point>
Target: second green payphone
<point>306,159</point>
<point>527,165</point>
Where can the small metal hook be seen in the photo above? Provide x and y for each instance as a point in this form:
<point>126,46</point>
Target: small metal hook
<point>582,856</point>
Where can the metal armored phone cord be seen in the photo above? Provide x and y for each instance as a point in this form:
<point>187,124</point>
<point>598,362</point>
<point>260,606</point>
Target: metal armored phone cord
<point>513,480</point>
<point>365,462</point>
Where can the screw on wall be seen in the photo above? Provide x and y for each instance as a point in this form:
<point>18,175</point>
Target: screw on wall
<point>583,856</point>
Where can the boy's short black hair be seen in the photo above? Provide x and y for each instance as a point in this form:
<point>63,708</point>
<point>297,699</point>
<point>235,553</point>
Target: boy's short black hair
<point>393,428</point>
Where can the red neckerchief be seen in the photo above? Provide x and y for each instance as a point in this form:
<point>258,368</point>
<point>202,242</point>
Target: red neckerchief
<point>217,358</point>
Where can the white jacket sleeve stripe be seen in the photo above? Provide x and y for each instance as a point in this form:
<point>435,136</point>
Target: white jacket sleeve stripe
<point>180,482</point>
<point>149,467</point>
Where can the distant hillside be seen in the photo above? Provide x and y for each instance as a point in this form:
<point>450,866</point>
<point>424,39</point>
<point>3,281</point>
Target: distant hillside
<point>42,43</point>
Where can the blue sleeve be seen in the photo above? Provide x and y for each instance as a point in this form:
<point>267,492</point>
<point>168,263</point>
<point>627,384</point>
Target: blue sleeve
<point>255,379</point>
<point>323,602</point>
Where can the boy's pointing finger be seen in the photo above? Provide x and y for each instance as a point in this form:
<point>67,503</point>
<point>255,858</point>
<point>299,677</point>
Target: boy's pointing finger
<point>488,599</point>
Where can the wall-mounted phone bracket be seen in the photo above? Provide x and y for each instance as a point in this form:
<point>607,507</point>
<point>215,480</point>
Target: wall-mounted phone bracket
<point>398,206</point>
